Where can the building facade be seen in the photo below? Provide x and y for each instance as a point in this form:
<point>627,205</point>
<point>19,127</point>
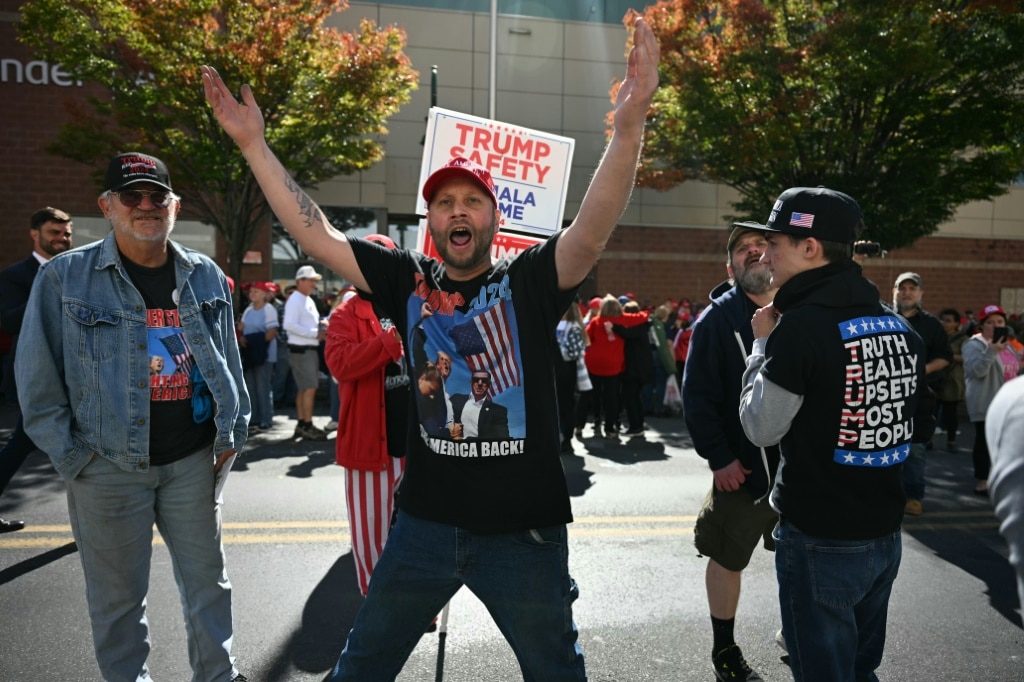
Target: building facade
<point>555,65</point>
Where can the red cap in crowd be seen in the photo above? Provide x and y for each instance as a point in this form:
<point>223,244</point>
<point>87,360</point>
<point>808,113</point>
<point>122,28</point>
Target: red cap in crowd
<point>990,310</point>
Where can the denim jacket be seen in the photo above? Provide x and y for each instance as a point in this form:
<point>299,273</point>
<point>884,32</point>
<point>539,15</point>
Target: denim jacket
<point>84,373</point>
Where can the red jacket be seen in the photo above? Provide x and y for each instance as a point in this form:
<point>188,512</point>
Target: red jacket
<point>357,351</point>
<point>681,345</point>
<point>606,357</point>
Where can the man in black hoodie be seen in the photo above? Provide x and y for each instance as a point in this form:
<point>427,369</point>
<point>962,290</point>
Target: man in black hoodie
<point>838,380</point>
<point>736,514</point>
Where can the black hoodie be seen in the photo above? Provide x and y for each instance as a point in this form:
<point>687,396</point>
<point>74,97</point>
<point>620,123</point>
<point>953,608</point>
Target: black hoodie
<point>859,369</point>
<point>721,341</point>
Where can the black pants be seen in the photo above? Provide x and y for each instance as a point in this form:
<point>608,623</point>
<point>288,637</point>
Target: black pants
<point>606,399</point>
<point>982,459</point>
<point>950,420</point>
<point>565,394</point>
<point>19,446</point>
<point>632,402</point>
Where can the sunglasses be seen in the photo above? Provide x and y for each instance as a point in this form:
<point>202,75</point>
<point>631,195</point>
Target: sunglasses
<point>481,380</point>
<point>160,198</point>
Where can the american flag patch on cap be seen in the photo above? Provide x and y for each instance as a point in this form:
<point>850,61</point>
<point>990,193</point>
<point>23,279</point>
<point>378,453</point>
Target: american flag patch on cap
<point>801,219</point>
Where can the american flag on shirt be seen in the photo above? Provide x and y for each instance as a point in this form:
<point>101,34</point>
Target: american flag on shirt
<point>801,219</point>
<point>180,351</point>
<point>485,342</point>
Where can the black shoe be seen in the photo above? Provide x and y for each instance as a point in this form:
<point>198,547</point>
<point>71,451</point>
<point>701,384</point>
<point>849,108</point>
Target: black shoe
<point>10,526</point>
<point>730,665</point>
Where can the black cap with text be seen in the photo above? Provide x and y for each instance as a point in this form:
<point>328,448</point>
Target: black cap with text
<point>134,167</point>
<point>818,212</point>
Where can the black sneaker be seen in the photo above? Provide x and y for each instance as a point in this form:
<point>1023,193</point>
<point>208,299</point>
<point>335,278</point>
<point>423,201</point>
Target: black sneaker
<point>310,432</point>
<point>730,665</point>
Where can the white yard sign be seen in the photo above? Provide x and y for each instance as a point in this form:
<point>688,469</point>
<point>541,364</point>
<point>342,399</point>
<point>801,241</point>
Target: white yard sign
<point>530,168</point>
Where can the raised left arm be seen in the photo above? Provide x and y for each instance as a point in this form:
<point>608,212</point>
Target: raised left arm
<point>606,198</point>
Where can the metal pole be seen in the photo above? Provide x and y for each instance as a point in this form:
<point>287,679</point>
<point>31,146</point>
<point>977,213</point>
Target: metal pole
<point>492,74</point>
<point>442,634</point>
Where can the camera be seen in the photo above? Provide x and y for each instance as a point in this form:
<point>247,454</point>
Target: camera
<point>867,248</point>
<point>999,334</point>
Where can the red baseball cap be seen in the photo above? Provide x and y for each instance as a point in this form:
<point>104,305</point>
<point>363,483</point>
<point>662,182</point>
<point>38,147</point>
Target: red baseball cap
<point>595,303</point>
<point>990,310</point>
<point>459,166</point>
<point>381,239</point>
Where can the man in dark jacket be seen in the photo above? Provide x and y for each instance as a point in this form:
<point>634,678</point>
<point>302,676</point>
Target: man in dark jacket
<point>838,380</point>
<point>50,230</point>
<point>736,513</point>
<point>906,298</point>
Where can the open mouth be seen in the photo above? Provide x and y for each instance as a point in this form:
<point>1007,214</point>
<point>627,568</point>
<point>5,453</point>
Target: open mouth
<point>460,237</point>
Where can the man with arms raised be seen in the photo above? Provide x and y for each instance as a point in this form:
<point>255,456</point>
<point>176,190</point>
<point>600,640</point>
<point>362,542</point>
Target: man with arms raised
<point>490,498</point>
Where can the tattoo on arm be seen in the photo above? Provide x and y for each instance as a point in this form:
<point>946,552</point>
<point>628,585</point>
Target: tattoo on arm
<point>307,207</point>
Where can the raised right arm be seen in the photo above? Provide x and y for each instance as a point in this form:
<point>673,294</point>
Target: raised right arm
<point>243,122</point>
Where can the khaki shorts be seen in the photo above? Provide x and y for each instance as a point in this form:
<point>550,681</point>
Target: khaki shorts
<point>305,368</point>
<point>729,526</point>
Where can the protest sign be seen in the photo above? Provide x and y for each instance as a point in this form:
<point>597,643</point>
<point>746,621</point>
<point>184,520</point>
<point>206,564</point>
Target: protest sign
<point>530,168</point>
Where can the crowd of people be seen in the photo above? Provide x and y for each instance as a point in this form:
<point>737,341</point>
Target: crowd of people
<point>813,402</point>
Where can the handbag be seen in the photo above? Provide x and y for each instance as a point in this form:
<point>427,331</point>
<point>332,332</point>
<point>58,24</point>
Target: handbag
<point>570,342</point>
<point>673,400</point>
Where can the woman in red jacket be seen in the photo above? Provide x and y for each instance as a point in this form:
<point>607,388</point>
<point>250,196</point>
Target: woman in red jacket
<point>605,358</point>
<point>364,353</point>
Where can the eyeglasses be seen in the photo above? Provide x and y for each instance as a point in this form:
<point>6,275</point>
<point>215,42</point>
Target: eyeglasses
<point>160,198</point>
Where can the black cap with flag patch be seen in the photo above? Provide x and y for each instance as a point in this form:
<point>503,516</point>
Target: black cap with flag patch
<point>818,212</point>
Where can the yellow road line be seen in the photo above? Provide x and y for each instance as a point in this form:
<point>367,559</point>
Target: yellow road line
<point>336,531</point>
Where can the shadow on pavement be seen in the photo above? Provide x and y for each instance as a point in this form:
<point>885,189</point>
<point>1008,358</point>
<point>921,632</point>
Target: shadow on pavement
<point>960,526</point>
<point>326,619</point>
<point>577,478</point>
<point>28,565</point>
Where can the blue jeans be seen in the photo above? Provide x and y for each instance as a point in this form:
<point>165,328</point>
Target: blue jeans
<point>282,383</point>
<point>913,472</point>
<point>258,383</point>
<point>834,597</point>
<point>112,515</point>
<point>522,578</point>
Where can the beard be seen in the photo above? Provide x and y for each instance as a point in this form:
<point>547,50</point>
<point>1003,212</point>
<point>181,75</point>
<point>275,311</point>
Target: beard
<point>52,250</point>
<point>756,279</point>
<point>125,226</point>
<point>480,252</point>
<point>904,307</point>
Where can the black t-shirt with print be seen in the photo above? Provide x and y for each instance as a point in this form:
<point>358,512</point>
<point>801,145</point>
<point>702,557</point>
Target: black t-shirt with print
<point>173,433</point>
<point>500,324</point>
<point>396,396</point>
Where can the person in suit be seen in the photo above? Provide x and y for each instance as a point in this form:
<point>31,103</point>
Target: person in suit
<point>50,230</point>
<point>476,415</point>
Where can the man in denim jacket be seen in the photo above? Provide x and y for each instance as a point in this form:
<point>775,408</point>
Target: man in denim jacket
<point>131,382</point>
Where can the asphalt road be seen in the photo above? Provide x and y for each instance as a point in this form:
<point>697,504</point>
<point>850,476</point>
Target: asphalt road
<point>642,612</point>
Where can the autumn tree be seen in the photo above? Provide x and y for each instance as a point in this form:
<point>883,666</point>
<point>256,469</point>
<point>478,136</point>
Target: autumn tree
<point>913,107</point>
<point>325,94</point>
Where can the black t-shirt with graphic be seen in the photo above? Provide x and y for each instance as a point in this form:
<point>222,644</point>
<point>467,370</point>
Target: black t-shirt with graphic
<point>396,396</point>
<point>173,433</point>
<point>498,324</point>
